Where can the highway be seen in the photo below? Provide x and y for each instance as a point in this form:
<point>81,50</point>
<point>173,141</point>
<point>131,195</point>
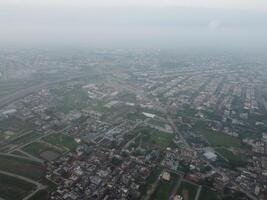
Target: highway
<point>20,94</point>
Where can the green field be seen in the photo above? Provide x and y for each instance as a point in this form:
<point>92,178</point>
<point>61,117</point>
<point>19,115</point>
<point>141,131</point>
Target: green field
<point>217,138</point>
<point>151,136</point>
<point>207,194</point>
<point>187,190</point>
<point>40,195</point>
<point>14,124</point>
<point>18,153</point>
<point>73,99</point>
<point>37,148</point>
<point>155,173</point>
<point>13,188</point>
<point>165,188</point>
<point>62,141</point>
<point>233,160</point>
<point>26,138</point>
<point>157,123</point>
<point>23,167</point>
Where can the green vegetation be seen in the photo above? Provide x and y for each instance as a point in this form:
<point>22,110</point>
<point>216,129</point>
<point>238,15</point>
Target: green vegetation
<point>26,138</point>
<point>13,188</point>
<point>153,177</point>
<point>127,97</point>
<point>15,124</point>
<point>165,188</point>
<point>23,167</point>
<point>233,160</point>
<point>73,99</point>
<point>19,153</point>
<point>207,194</point>
<point>153,137</point>
<point>157,123</point>
<point>216,138</point>
<point>37,148</point>
<point>187,190</point>
<point>40,195</point>
<point>62,141</point>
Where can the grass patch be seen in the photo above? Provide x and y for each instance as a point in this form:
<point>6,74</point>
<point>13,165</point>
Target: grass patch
<point>12,188</point>
<point>217,138</point>
<point>40,195</point>
<point>165,188</point>
<point>207,194</point>
<point>187,190</point>
<point>23,167</point>
<point>62,141</point>
<point>151,136</point>
<point>75,98</point>
<point>15,124</point>
<point>26,138</point>
<point>37,148</point>
<point>233,160</point>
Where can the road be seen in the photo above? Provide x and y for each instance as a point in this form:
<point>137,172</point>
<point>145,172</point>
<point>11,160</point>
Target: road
<point>39,186</point>
<point>20,94</point>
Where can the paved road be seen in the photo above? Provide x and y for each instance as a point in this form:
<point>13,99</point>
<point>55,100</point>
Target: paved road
<point>198,192</point>
<point>21,157</point>
<point>38,185</point>
<point>22,93</point>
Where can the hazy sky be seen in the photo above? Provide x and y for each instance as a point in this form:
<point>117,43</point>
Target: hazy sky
<point>240,4</point>
<point>135,23</point>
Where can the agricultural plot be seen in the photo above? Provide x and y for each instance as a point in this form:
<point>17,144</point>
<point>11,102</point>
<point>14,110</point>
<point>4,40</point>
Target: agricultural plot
<point>42,151</point>
<point>13,188</point>
<point>61,141</point>
<point>22,167</point>
<point>187,190</point>
<point>217,138</point>
<point>26,138</point>
<point>165,188</point>
<point>151,136</point>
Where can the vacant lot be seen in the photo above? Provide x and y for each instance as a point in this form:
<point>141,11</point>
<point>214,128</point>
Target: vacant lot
<point>23,167</point>
<point>62,141</point>
<point>26,138</point>
<point>187,190</point>
<point>39,150</point>
<point>207,194</point>
<point>216,138</point>
<point>233,160</point>
<point>14,189</point>
<point>153,136</point>
<point>165,188</point>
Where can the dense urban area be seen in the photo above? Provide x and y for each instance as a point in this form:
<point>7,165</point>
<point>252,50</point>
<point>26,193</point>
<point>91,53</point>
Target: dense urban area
<point>132,124</point>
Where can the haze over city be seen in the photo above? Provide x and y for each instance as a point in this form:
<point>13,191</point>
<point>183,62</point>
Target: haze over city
<point>162,24</point>
<point>133,100</point>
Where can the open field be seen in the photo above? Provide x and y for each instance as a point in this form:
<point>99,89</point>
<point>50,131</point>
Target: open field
<point>233,160</point>
<point>14,189</point>
<point>15,124</point>
<point>23,167</point>
<point>26,138</point>
<point>62,141</point>
<point>207,194</point>
<point>217,138</point>
<point>41,150</point>
<point>151,180</point>
<point>153,136</point>
<point>187,190</point>
<point>165,188</point>
<point>74,99</point>
<point>40,195</point>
